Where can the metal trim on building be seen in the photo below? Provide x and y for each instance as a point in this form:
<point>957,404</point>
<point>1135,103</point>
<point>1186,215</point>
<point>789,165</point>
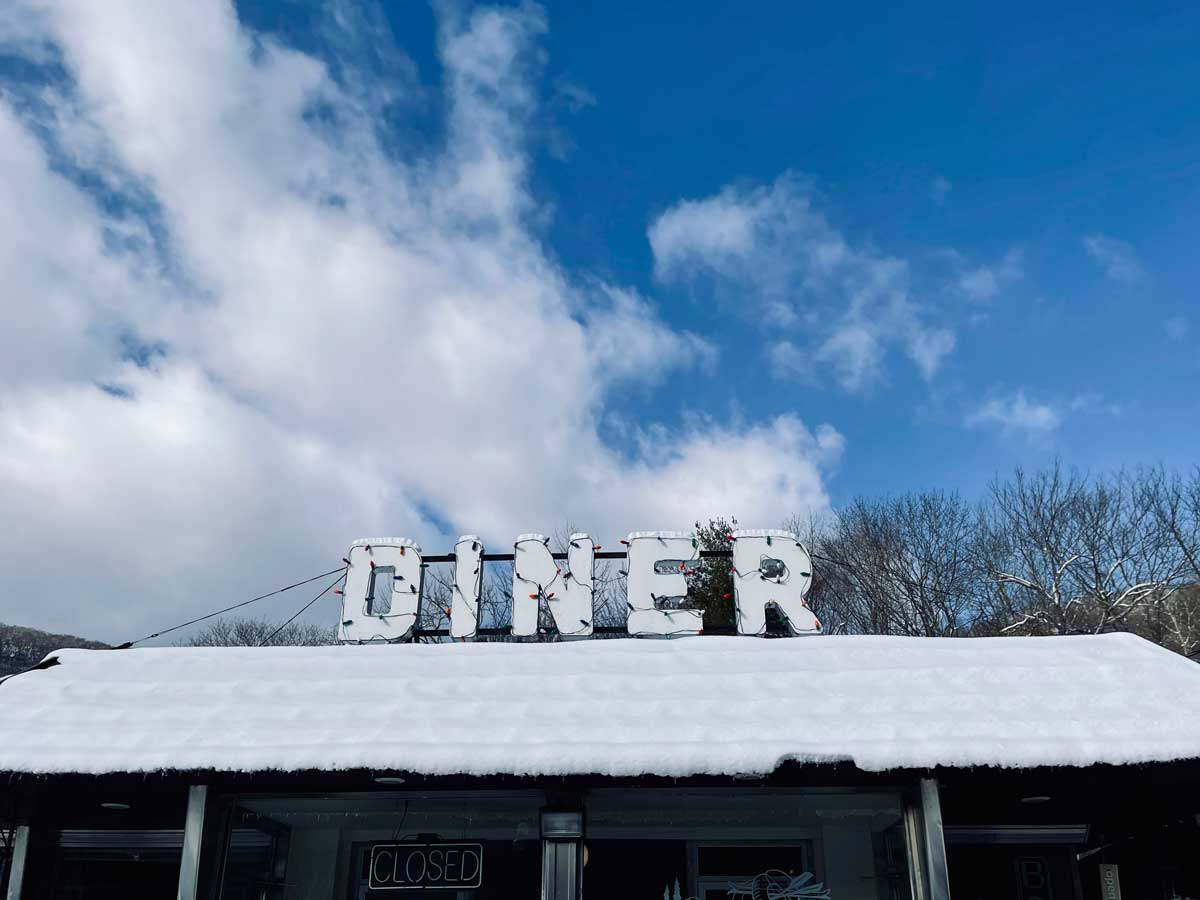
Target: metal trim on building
<point>16,869</point>
<point>193,831</point>
<point>937,873</point>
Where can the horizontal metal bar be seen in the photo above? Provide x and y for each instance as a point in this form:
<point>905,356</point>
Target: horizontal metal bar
<point>602,554</point>
<point>147,838</point>
<point>506,632</point>
<point>1015,834</point>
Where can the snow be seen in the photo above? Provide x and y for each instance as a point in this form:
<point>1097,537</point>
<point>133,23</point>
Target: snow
<point>764,532</point>
<point>704,705</point>
<point>666,535</point>
<point>386,542</point>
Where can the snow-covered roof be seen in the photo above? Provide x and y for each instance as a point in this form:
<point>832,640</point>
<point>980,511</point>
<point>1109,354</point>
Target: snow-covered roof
<point>703,705</point>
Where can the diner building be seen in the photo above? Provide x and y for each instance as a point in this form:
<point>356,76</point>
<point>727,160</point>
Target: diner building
<point>847,768</point>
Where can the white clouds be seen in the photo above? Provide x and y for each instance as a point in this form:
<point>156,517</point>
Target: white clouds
<point>719,232</point>
<point>680,480</point>
<point>939,189</point>
<point>344,332</point>
<point>983,284</point>
<point>979,284</point>
<point>789,361</point>
<point>927,348</point>
<point>22,33</point>
<point>855,353</point>
<point>1176,328</point>
<point>1016,413</point>
<point>1116,258</point>
<point>840,307</point>
<point>1096,403</point>
<point>627,342</point>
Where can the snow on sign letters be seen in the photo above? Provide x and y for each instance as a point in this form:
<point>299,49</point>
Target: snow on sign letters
<point>385,585</point>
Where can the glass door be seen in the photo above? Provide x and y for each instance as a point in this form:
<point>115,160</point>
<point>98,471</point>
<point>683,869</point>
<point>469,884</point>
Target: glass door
<point>745,845</point>
<point>750,870</point>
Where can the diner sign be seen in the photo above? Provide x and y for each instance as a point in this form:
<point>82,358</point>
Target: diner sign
<point>385,581</point>
<point>426,866</point>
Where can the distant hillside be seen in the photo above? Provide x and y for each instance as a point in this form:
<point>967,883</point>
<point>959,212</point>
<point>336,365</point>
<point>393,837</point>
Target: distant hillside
<point>21,647</point>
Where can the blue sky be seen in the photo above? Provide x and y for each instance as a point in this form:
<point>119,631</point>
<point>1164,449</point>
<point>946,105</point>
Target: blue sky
<point>982,132</point>
<point>286,274</point>
<point>950,138</point>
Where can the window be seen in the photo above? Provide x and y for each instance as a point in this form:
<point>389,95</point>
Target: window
<point>644,843</point>
<point>375,846</point>
<point>105,865</point>
<point>1004,871</point>
<point>750,867</point>
<point>738,845</point>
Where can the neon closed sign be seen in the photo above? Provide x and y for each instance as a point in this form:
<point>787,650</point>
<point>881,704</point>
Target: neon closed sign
<point>426,866</point>
<point>385,579</point>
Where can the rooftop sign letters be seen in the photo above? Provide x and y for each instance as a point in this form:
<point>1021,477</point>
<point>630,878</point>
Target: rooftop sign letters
<point>385,585</point>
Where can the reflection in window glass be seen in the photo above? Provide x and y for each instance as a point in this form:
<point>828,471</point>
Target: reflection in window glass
<point>449,847</point>
<point>116,865</point>
<point>715,845</point>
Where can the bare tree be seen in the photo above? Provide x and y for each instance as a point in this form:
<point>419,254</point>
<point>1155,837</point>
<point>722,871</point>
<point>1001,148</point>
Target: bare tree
<point>254,632</point>
<point>495,601</point>
<point>1073,555</point>
<point>899,565</point>
<point>1174,619</point>
<point>22,647</point>
<point>1173,622</point>
<point>1175,503</point>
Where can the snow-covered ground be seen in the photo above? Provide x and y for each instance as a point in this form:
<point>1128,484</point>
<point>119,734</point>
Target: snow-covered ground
<point>618,707</point>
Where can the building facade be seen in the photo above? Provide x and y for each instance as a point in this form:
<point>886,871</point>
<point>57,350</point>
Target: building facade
<point>838,768</point>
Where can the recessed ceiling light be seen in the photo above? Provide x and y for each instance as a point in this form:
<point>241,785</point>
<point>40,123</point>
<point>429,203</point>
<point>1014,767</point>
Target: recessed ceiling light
<point>114,805</point>
<point>388,779</point>
<point>1036,798</point>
